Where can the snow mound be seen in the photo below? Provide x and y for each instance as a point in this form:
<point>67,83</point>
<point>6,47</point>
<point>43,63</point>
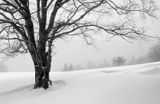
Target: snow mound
<point>152,71</point>
<point>135,84</point>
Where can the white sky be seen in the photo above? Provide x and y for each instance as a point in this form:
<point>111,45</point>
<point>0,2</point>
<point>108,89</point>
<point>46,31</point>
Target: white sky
<point>76,51</point>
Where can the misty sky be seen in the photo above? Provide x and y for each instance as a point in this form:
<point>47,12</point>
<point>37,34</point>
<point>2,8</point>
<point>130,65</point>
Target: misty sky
<point>74,50</point>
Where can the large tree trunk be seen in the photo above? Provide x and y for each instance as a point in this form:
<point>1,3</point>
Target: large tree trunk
<point>42,77</point>
<point>42,69</point>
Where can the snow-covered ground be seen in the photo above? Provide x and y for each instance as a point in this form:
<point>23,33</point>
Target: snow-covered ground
<point>137,84</point>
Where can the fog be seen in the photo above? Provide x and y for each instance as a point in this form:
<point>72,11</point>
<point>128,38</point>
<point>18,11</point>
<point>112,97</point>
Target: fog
<point>74,50</point>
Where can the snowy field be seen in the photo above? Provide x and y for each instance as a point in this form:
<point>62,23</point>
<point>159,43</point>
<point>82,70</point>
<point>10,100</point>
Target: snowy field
<point>137,84</point>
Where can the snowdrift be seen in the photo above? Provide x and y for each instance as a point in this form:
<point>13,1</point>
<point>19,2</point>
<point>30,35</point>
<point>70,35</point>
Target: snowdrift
<point>135,84</point>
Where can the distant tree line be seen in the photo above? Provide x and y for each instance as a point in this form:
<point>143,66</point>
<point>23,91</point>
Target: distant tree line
<point>117,61</point>
<point>153,55</point>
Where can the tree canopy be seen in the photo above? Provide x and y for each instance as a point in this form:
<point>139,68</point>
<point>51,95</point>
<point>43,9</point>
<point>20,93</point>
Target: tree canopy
<point>60,18</point>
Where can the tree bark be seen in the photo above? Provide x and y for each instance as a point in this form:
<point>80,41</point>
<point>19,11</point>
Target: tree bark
<point>42,79</point>
<point>42,69</point>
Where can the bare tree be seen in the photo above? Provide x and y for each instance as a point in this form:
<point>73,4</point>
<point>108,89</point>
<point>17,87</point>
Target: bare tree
<point>154,52</point>
<point>34,26</point>
<point>3,67</point>
<point>68,67</point>
<point>119,61</point>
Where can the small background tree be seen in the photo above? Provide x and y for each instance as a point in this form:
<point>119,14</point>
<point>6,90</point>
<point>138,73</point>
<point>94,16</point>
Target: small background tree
<point>3,67</point>
<point>119,61</point>
<point>68,67</point>
<point>154,52</point>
